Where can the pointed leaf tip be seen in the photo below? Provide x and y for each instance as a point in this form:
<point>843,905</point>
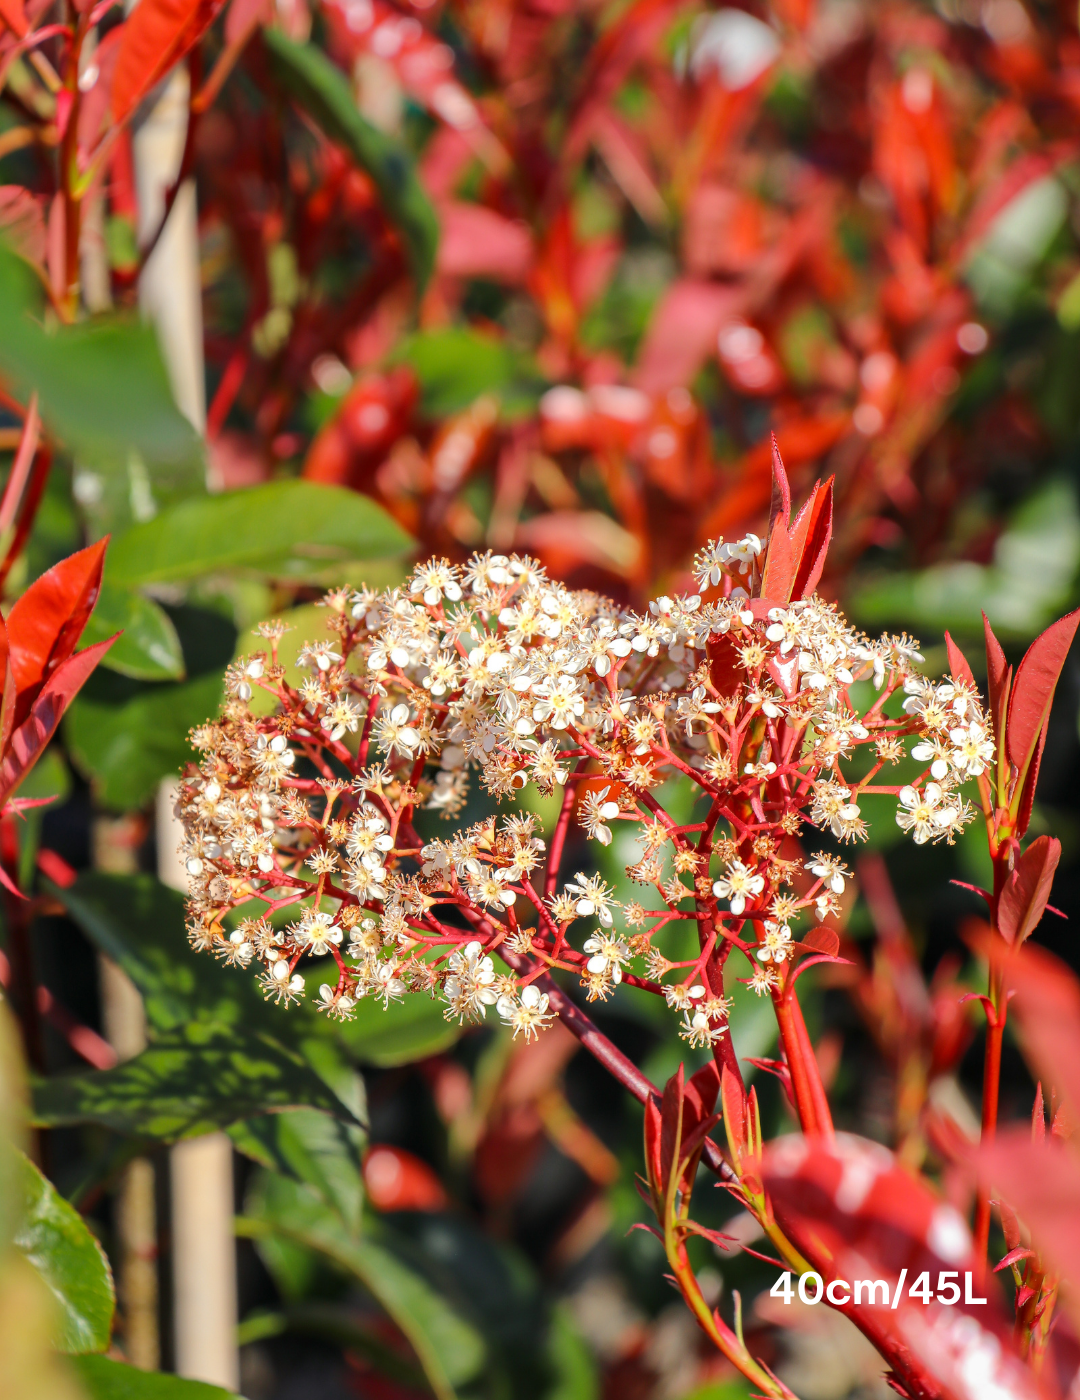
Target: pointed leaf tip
<point>1034,687</point>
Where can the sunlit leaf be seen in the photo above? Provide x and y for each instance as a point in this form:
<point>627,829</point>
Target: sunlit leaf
<point>282,527</point>
<point>55,1239</point>
<point>105,1379</point>
<point>148,648</point>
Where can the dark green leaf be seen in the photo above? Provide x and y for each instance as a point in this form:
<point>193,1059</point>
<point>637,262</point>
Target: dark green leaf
<point>313,1148</point>
<point>322,90</point>
<point>139,923</point>
<point>105,395</point>
<point>148,648</point>
<point>336,1323</point>
<point>55,1239</point>
<point>127,735</point>
<point>127,749</point>
<point>282,527</point>
<point>103,1379</point>
<point>192,1080</point>
<point>450,1350</point>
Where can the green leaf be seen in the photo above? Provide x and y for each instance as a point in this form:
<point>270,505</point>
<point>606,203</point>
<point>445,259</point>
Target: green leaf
<point>405,1031</point>
<point>148,648</point>
<point>448,1347</point>
<point>338,1324</point>
<point>127,735</point>
<point>313,1148</point>
<point>54,1238</point>
<point>104,394</point>
<point>571,1360</point>
<point>282,527</point>
<point>128,749</point>
<point>323,91</point>
<point>190,1081</point>
<point>103,1379</point>
<point>1026,586</point>
<point>139,923</point>
<point>455,365</point>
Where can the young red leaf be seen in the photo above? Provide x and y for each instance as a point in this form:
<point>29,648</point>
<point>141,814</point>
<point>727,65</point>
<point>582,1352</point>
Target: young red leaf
<point>1038,1116</point>
<point>958,662</point>
<point>45,624</point>
<point>997,675</point>
<point>812,539</point>
<point>1042,1184</point>
<point>701,1094</point>
<point>733,1103</point>
<point>1027,796</point>
<point>14,16</point>
<point>1013,1257</point>
<point>1034,686</point>
<point>156,37</point>
<point>780,506</point>
<point>653,1164</point>
<point>779,1070</point>
<point>821,940</point>
<point>30,738</point>
<point>1023,898</point>
<point>1047,1007</point>
<point>854,1212</point>
<point>670,1126</point>
<point>779,572</point>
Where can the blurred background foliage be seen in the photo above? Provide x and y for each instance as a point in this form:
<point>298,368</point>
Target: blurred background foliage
<point>534,275</point>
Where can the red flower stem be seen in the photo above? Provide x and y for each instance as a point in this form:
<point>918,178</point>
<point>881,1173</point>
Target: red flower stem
<point>811,1103</point>
<point>558,840</point>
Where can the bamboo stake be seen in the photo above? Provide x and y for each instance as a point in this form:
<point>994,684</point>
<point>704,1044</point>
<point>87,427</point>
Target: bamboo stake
<point>115,844</point>
<point>204,1251</point>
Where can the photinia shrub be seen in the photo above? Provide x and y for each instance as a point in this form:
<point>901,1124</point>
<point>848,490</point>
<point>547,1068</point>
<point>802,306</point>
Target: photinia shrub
<point>301,843</point>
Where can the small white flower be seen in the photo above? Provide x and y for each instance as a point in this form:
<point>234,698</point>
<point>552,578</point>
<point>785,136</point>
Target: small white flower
<point>737,884</point>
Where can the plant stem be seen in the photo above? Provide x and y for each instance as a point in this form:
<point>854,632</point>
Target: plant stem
<point>995,1032</point>
<point>811,1102</point>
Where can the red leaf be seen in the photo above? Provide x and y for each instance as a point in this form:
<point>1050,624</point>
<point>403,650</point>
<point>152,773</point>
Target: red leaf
<point>733,1100</point>
<point>1033,689</point>
<point>653,1163</point>
<point>669,1123</point>
<point>997,675</point>
<point>46,623</point>
<point>1042,1183</point>
<point>29,740</point>
<point>780,509</point>
<point>1027,796</point>
<point>811,540</point>
<point>14,16</point>
<point>1013,1257</point>
<point>1023,899</point>
<point>821,940</point>
<point>21,215</point>
<point>396,1180</point>
<point>958,662</point>
<point>856,1213</point>
<point>1047,1008</point>
<point>156,37</point>
<point>779,1070</point>
<point>779,571</point>
<point>478,242</point>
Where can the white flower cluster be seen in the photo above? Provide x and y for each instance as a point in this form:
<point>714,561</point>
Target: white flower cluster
<point>494,668</point>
